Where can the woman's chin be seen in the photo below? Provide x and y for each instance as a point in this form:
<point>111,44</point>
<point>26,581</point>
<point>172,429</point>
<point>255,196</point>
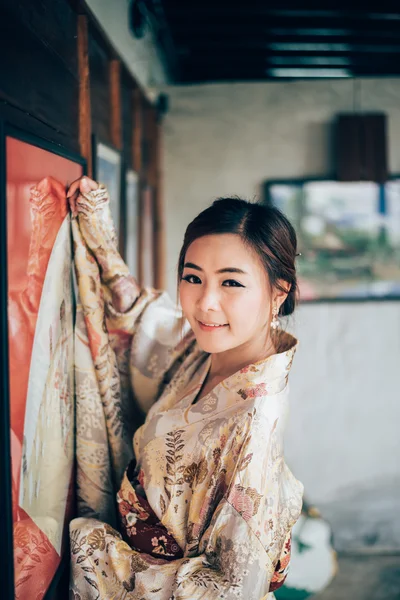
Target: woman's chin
<point>211,347</point>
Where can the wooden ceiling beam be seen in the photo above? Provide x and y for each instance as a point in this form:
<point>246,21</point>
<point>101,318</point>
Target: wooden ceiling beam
<point>339,46</point>
<point>192,11</point>
<point>204,77</point>
<point>221,40</point>
<point>261,35</point>
<point>181,23</point>
<point>247,55</point>
<point>288,6</point>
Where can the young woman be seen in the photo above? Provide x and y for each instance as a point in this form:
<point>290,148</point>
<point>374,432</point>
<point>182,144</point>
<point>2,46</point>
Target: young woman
<point>207,505</point>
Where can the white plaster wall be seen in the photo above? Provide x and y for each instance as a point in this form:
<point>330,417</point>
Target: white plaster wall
<point>344,431</point>
<point>140,56</point>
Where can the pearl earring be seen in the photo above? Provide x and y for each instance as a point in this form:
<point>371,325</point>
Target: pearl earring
<point>275,321</point>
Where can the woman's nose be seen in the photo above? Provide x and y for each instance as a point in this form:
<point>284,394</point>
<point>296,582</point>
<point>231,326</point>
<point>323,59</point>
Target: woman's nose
<point>208,300</point>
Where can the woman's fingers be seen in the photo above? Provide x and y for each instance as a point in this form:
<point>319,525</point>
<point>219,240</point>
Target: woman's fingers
<point>83,185</point>
<point>74,187</point>
<point>87,185</point>
<point>72,204</point>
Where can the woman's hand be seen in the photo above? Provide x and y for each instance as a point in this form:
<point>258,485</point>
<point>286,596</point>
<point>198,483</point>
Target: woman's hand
<point>89,201</point>
<point>83,185</point>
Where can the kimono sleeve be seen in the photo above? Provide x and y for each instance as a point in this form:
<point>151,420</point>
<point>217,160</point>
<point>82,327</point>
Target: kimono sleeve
<point>144,342</point>
<point>250,529</point>
<point>157,335</point>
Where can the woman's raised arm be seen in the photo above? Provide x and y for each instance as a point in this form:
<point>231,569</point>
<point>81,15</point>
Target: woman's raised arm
<point>90,204</point>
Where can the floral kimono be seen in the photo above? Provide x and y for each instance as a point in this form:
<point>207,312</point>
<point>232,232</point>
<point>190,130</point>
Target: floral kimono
<point>206,505</point>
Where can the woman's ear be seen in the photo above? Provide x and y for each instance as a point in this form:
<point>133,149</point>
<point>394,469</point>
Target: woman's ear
<point>281,293</point>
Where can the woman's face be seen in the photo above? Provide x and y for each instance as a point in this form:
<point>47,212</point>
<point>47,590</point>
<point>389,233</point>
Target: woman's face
<point>224,283</point>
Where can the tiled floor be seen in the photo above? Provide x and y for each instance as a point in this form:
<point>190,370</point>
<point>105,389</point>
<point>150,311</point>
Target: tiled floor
<point>365,578</point>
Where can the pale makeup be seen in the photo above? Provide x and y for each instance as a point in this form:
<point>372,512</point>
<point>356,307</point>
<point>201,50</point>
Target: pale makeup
<point>224,283</point>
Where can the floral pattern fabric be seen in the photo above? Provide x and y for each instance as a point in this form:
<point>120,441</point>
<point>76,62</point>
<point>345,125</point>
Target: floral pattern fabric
<point>210,474</point>
<point>139,524</point>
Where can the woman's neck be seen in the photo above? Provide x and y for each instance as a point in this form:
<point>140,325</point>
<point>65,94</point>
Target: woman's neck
<point>224,364</point>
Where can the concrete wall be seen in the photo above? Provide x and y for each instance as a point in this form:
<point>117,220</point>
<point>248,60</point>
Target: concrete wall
<point>343,436</point>
<point>140,56</point>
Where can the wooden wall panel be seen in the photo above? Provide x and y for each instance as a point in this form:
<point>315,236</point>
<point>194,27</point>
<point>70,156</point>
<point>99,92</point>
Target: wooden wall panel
<point>85,124</point>
<point>348,147</point>
<point>61,78</point>
<point>137,160</point>
<point>152,167</point>
<point>137,133</point>
<point>127,118</point>
<point>100,98</point>
<point>150,145</point>
<point>361,152</point>
<point>53,22</point>
<point>160,265</point>
<point>146,141</point>
<point>114,67</point>
<point>36,79</point>
<point>375,147</point>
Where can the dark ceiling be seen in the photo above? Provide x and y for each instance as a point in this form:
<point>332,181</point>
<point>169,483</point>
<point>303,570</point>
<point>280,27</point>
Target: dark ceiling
<point>220,40</point>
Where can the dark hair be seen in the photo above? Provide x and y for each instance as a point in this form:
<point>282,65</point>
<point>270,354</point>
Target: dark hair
<point>263,228</point>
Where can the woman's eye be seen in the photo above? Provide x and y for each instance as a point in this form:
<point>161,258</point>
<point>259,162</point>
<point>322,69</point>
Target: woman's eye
<point>190,278</point>
<point>232,283</point>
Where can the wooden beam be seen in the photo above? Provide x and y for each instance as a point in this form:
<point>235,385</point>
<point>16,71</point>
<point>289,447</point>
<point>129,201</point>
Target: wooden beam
<point>147,142</point>
<point>115,104</point>
<point>153,168</point>
<point>85,121</point>
<point>137,131</point>
<point>137,164</point>
<point>159,220</point>
<point>202,13</point>
<point>151,139</point>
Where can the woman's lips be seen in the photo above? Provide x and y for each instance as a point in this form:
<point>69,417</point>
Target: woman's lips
<point>211,327</point>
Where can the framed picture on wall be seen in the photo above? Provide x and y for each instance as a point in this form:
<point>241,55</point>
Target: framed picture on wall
<point>39,401</point>
<point>132,222</point>
<point>348,235</point>
<point>107,170</point>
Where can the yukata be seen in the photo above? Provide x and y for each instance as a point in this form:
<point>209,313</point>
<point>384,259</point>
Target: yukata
<point>206,503</point>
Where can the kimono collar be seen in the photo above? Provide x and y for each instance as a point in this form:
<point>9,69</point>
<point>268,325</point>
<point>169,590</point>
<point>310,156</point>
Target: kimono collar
<point>271,373</point>
<point>239,391</point>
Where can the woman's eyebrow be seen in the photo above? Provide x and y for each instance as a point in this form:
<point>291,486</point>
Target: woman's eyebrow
<point>190,265</point>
